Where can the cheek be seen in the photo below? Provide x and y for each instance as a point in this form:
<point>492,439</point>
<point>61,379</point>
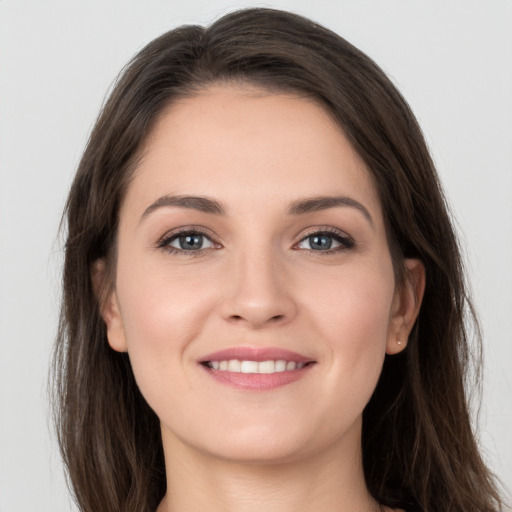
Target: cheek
<point>351,312</point>
<point>161,302</point>
<point>354,298</point>
<point>162,313</point>
<point>351,317</point>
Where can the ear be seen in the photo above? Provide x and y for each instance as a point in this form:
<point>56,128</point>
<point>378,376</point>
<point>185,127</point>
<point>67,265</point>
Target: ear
<point>109,307</point>
<point>406,306</point>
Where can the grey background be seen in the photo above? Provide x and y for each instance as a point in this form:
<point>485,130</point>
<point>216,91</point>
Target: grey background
<point>452,60</point>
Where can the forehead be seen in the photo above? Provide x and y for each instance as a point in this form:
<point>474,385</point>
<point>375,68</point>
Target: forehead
<point>242,145</point>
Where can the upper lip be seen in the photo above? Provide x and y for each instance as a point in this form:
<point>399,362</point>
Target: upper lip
<point>255,354</point>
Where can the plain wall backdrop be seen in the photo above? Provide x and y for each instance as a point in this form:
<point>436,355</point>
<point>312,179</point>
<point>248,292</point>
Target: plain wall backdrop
<point>452,60</point>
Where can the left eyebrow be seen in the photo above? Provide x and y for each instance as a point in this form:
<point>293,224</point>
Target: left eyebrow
<point>316,204</point>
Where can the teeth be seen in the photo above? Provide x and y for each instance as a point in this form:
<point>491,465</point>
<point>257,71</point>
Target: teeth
<point>249,367</point>
<point>266,367</point>
<point>280,366</point>
<point>234,365</point>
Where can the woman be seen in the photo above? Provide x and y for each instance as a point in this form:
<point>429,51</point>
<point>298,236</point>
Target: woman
<point>264,301</point>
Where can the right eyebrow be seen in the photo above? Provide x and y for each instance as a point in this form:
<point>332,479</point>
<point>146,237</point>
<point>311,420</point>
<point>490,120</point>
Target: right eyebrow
<point>202,204</point>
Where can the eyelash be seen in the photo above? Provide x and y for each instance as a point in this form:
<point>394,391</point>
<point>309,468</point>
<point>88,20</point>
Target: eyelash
<point>345,241</point>
<point>165,241</point>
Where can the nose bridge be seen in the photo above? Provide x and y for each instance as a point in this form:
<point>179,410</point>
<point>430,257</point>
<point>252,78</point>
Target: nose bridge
<point>257,288</point>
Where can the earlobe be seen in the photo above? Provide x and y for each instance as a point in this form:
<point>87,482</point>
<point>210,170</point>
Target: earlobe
<point>406,306</point>
<point>109,308</point>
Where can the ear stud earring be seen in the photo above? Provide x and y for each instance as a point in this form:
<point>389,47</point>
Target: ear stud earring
<point>399,342</point>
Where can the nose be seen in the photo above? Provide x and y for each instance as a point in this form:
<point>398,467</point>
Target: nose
<point>259,292</point>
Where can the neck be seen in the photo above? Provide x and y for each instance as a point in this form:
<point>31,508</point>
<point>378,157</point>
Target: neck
<point>330,481</point>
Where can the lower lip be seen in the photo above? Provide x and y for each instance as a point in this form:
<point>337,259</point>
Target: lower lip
<point>257,381</point>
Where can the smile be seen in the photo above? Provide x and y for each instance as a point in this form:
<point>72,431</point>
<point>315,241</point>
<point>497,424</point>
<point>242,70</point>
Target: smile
<point>244,366</point>
<point>256,368</point>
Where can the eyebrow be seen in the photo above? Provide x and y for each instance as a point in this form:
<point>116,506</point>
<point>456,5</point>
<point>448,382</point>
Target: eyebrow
<point>316,204</point>
<point>202,204</point>
<point>300,207</point>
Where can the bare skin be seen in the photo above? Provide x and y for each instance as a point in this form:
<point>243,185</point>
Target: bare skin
<point>233,237</point>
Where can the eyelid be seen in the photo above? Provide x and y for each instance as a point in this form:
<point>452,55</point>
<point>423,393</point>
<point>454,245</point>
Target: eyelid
<point>163,241</point>
<point>345,240</point>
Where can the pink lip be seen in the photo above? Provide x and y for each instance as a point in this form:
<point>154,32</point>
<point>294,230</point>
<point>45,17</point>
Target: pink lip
<point>256,381</point>
<point>255,354</point>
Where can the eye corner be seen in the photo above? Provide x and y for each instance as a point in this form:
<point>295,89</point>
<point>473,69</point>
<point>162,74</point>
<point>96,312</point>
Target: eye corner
<point>331,236</point>
<point>174,241</point>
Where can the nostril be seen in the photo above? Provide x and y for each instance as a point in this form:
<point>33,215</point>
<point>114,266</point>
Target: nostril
<point>251,320</point>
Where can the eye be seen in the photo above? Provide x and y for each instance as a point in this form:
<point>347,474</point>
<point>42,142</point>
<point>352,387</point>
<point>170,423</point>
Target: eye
<point>187,241</point>
<point>325,241</point>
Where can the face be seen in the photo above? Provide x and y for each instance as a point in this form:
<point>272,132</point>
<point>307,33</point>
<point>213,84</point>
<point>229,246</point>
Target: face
<point>254,286</point>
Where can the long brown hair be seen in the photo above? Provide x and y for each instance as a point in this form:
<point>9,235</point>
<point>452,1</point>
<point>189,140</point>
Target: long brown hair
<point>419,449</point>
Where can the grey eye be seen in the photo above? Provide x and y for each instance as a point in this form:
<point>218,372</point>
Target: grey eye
<point>319,242</point>
<point>191,242</point>
<point>326,241</point>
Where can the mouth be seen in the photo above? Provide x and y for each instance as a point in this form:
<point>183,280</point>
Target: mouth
<point>256,368</point>
<point>248,366</point>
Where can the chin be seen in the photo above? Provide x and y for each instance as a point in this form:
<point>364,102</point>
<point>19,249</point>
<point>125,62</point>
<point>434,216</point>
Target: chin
<point>270,442</point>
